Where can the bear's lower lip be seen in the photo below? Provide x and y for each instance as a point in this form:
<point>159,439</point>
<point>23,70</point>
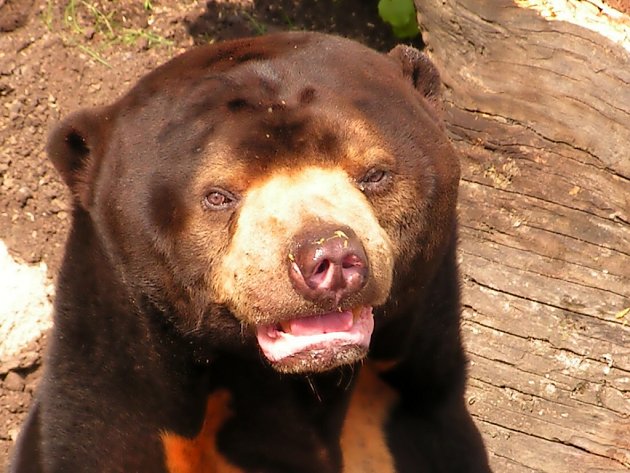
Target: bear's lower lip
<point>322,336</point>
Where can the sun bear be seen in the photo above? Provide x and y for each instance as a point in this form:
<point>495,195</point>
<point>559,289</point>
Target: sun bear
<point>261,273</point>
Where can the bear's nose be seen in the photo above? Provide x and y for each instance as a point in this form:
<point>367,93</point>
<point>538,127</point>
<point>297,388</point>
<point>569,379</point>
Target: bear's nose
<point>328,266</point>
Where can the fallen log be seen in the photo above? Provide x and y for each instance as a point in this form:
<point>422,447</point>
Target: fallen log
<point>538,104</point>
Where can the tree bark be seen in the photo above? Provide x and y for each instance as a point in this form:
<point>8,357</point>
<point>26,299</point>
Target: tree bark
<point>537,102</point>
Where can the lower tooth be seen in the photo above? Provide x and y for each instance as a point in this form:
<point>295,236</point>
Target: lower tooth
<point>356,312</point>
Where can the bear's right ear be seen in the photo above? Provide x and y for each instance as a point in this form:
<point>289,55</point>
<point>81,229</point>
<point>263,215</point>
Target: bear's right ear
<point>76,148</point>
<point>420,71</point>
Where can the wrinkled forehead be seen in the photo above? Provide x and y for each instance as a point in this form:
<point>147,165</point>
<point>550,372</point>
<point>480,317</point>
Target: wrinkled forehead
<point>262,106</point>
<point>264,116</point>
<point>286,142</point>
<point>296,124</point>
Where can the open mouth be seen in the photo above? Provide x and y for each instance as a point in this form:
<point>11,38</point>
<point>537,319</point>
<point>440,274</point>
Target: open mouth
<point>317,342</point>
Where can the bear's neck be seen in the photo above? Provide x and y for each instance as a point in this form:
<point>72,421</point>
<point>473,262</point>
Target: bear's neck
<point>101,339</point>
<point>419,337</point>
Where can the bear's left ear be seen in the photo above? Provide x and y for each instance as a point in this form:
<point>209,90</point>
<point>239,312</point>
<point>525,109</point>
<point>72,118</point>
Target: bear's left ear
<point>76,148</point>
<point>419,70</point>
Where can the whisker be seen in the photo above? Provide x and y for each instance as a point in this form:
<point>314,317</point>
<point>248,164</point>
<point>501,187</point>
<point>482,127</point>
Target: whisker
<point>310,383</point>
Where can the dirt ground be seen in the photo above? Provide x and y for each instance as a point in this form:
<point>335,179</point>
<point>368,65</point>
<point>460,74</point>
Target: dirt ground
<point>57,56</point>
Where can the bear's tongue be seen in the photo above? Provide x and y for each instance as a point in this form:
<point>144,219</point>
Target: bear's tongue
<point>316,324</point>
<point>316,333</point>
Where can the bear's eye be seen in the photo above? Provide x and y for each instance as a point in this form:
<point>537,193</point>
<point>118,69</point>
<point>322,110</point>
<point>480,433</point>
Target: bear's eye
<point>374,176</point>
<point>218,199</point>
<point>374,180</point>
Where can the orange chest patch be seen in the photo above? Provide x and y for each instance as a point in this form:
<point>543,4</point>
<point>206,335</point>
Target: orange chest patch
<point>200,454</point>
<point>363,443</point>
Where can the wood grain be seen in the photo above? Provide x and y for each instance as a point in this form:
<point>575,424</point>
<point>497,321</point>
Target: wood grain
<point>539,112</point>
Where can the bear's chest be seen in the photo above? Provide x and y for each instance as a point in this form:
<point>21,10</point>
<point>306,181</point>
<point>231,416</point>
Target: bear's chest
<point>363,443</point>
<point>200,454</point>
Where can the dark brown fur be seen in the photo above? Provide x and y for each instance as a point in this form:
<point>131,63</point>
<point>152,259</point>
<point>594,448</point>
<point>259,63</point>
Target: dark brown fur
<point>153,365</point>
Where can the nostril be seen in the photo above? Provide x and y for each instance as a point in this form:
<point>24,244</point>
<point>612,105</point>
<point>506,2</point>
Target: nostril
<point>321,276</point>
<point>322,267</point>
<point>351,261</point>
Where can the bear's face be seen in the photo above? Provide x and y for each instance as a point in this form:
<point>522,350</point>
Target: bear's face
<point>269,193</point>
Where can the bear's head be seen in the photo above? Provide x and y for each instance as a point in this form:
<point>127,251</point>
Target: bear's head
<point>269,194</point>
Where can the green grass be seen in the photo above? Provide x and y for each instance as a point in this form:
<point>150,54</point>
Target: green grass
<point>48,16</point>
<point>258,27</point>
<point>82,17</point>
<point>131,35</point>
